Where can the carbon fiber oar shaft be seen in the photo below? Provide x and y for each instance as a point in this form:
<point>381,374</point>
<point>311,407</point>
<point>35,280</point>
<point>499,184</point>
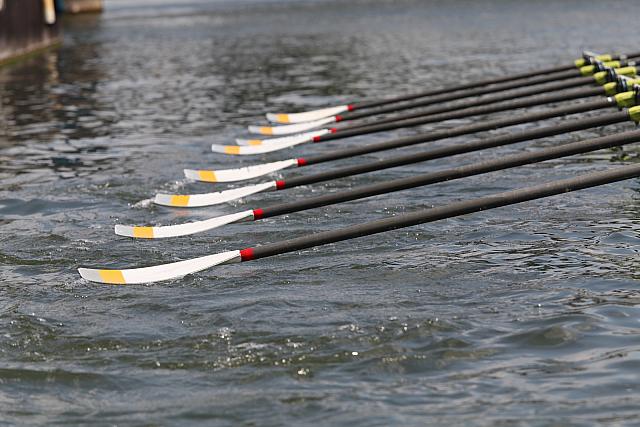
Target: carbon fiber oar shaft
<point>531,78</point>
<point>462,130</point>
<point>438,153</point>
<point>489,105</point>
<point>443,212</point>
<point>449,174</point>
<point>608,79</point>
<point>514,90</point>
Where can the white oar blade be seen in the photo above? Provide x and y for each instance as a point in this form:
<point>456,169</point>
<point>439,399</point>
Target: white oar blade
<point>307,116</point>
<point>289,129</point>
<point>208,199</point>
<point>182,229</point>
<point>236,150</point>
<point>158,273</point>
<point>238,174</point>
<point>307,136</point>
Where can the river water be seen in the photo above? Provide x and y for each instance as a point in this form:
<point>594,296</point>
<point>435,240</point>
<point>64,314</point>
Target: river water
<point>524,315</point>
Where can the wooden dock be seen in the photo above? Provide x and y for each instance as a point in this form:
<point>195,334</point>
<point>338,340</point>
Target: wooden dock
<point>26,26</point>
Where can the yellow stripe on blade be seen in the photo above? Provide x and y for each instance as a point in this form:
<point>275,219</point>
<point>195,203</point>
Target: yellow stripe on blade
<point>254,142</point>
<point>231,149</point>
<point>143,232</point>
<point>179,200</point>
<point>282,118</point>
<point>208,176</point>
<point>266,130</point>
<point>113,277</point>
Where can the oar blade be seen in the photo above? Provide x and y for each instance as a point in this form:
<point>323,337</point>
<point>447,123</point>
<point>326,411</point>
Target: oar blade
<point>238,150</point>
<point>238,174</point>
<point>307,136</point>
<point>291,129</point>
<point>307,116</point>
<point>186,229</point>
<point>209,199</point>
<point>158,273</point>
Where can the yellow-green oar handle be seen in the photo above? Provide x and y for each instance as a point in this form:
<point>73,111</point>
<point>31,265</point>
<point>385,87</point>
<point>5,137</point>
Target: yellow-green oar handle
<point>626,99</point>
<point>612,88</point>
<point>589,70</point>
<point>634,113</point>
<point>602,77</point>
<point>582,61</point>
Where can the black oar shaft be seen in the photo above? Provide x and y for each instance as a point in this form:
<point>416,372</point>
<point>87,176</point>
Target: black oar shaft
<point>534,77</point>
<point>550,85</point>
<point>453,173</point>
<point>462,130</point>
<point>441,152</point>
<point>419,121</point>
<point>443,212</point>
<point>479,107</point>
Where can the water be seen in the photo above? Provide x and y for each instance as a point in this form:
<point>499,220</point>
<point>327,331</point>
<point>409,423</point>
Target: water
<point>524,315</point>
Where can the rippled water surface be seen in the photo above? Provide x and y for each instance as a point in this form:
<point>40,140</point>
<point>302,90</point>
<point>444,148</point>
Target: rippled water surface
<point>524,315</point>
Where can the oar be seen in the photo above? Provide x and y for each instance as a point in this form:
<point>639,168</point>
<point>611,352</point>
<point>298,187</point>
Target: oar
<point>334,134</point>
<point>458,109</point>
<point>208,199</point>
<point>181,268</point>
<point>566,71</point>
<point>528,97</point>
<point>600,77</point>
<point>383,188</point>
<point>624,99</point>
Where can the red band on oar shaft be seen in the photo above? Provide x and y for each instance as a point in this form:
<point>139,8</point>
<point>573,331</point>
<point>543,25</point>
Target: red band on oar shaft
<point>258,214</point>
<point>319,138</point>
<point>280,185</point>
<point>338,118</point>
<point>351,107</point>
<point>246,254</point>
<point>301,162</point>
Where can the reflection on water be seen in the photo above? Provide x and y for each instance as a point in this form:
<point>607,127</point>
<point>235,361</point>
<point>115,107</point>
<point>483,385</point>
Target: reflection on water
<point>525,315</point>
